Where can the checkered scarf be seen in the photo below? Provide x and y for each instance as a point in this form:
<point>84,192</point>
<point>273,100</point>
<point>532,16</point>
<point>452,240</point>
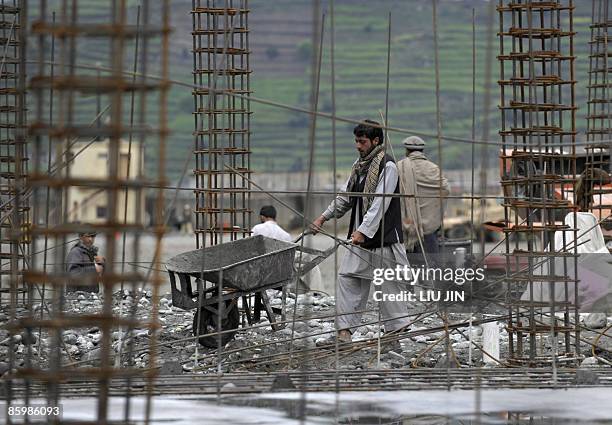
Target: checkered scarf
<point>91,251</point>
<point>368,166</point>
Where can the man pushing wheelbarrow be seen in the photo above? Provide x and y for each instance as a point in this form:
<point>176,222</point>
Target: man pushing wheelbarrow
<point>376,231</point>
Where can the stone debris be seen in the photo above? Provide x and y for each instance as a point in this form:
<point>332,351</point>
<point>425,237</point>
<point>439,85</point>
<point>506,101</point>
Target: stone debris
<point>229,387</point>
<point>589,362</point>
<point>444,363</point>
<point>171,367</point>
<point>177,351</point>
<point>596,321</point>
<point>4,367</point>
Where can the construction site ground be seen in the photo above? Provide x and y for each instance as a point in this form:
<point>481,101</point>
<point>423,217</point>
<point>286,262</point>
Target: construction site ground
<point>258,348</point>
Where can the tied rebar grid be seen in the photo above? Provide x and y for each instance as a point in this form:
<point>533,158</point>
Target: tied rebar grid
<point>597,195</point>
<point>54,129</point>
<point>539,169</point>
<point>222,120</point>
<point>15,211</point>
<point>360,380</point>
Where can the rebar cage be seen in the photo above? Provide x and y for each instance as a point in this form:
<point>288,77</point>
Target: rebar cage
<point>58,85</point>
<point>596,189</point>
<point>538,173</point>
<point>221,76</point>
<point>14,244</point>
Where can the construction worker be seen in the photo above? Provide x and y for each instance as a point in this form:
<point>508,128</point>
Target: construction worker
<point>421,215</point>
<point>84,265</point>
<point>375,230</point>
<point>186,225</point>
<point>593,263</point>
<point>268,226</point>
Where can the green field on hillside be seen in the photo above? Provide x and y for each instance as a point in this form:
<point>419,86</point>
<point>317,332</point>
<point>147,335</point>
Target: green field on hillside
<point>280,137</point>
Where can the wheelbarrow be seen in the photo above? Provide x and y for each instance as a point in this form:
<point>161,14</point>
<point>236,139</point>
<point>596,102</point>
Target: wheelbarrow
<point>225,273</point>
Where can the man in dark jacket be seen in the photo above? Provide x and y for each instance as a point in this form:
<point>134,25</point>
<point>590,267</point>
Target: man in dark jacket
<point>375,229</point>
<point>84,264</point>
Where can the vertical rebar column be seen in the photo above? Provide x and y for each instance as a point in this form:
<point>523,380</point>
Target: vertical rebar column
<point>14,210</point>
<point>222,119</point>
<point>114,36</point>
<point>596,191</point>
<point>538,172</point>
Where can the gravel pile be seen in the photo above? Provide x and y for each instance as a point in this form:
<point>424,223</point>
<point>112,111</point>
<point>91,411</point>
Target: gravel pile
<point>257,348</point>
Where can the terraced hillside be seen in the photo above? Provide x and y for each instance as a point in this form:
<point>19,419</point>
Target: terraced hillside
<point>280,43</point>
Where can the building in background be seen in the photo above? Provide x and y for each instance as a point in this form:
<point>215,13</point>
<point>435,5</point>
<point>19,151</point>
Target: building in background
<point>90,205</point>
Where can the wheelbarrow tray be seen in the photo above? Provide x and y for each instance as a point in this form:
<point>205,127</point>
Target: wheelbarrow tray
<point>245,264</point>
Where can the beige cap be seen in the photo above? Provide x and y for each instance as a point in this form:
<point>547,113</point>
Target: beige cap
<point>414,142</point>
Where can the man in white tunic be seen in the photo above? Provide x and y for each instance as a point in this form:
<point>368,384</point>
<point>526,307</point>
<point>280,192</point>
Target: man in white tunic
<point>271,229</point>
<point>268,226</point>
<point>375,230</point>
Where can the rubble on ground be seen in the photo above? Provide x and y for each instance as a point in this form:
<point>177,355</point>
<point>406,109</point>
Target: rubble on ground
<point>259,348</point>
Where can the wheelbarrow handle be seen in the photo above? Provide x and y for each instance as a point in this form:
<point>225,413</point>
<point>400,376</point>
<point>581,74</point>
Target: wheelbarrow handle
<point>304,233</point>
<point>318,257</point>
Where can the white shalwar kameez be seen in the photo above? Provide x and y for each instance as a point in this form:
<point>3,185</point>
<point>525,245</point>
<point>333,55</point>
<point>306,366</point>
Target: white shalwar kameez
<point>356,270</point>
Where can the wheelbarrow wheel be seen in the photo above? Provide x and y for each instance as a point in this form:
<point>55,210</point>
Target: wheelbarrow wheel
<point>208,324</point>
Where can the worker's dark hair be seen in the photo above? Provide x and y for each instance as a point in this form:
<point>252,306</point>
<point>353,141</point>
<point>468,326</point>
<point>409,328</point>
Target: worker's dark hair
<point>367,129</point>
<point>585,186</point>
<point>86,232</point>
<point>268,211</point>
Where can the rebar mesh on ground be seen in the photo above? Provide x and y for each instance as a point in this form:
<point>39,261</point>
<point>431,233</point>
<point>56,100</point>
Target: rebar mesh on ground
<point>596,191</point>
<point>222,120</point>
<point>539,168</point>
<point>359,380</point>
<point>14,210</point>
<point>54,130</point>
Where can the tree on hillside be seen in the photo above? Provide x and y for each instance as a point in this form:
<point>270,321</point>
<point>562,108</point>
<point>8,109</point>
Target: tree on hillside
<point>272,53</point>
<point>304,50</point>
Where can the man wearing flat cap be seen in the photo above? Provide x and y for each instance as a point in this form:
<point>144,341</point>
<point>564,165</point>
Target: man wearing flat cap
<point>84,265</point>
<point>421,215</point>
